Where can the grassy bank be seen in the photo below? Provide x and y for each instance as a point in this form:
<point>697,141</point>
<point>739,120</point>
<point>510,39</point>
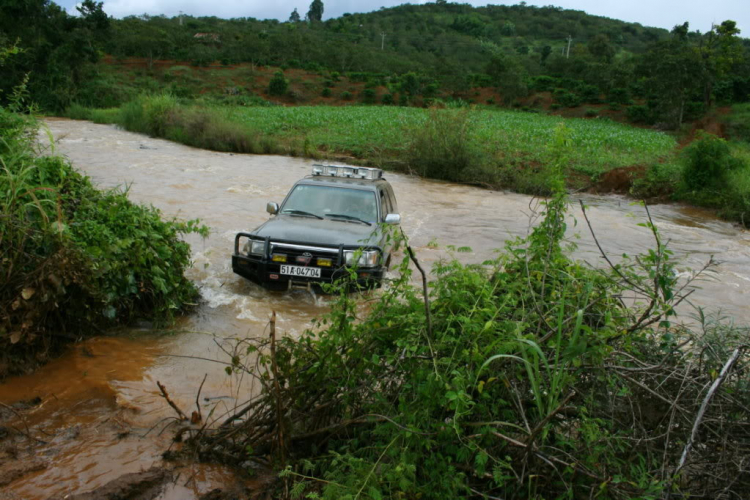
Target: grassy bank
<point>498,143</point>
<point>76,259</point>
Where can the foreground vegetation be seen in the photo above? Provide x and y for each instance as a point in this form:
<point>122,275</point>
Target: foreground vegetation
<point>524,377</point>
<point>76,259</point>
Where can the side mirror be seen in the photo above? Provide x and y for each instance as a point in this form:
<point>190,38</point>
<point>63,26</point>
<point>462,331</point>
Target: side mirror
<point>272,208</point>
<point>393,219</point>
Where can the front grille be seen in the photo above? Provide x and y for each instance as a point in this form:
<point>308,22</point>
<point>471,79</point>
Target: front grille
<point>294,251</point>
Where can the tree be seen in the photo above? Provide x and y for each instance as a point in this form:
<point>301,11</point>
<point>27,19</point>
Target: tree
<point>601,48</point>
<point>672,70</point>
<point>294,17</point>
<point>546,51</point>
<point>508,29</point>
<point>315,14</point>
<point>720,50</point>
<point>508,75</point>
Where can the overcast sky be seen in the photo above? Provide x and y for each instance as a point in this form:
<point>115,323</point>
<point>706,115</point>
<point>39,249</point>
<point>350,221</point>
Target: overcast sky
<point>660,13</point>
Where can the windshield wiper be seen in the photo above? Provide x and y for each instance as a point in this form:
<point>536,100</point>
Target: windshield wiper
<point>300,212</point>
<point>349,217</point>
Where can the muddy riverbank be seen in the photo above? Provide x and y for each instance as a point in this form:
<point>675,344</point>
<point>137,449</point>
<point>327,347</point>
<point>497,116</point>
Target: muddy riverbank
<point>100,399</point>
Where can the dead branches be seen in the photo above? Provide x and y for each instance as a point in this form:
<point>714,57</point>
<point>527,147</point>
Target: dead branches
<point>702,411</point>
<point>171,403</point>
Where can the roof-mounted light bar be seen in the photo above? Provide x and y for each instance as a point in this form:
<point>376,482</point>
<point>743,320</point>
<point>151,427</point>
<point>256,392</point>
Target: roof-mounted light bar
<point>347,171</point>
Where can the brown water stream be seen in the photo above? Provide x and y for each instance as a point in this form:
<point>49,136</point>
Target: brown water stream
<point>100,398</point>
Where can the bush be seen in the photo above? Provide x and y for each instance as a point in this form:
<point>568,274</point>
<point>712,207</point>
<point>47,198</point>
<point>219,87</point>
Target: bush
<point>76,259</point>
<point>590,94</point>
<point>659,181</point>
<point>708,160</point>
<point>738,122</point>
<point>567,98</point>
<point>368,96</point>
<point>591,113</point>
<point>544,83</point>
<point>443,148</point>
<point>619,96</point>
<point>640,114</point>
<point>149,114</point>
<point>346,95</point>
<point>326,92</point>
<point>387,99</point>
<point>278,84</point>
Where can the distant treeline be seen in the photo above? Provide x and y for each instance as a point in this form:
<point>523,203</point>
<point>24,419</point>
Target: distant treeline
<point>665,77</point>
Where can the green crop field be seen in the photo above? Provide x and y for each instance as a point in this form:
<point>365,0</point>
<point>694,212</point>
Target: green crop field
<point>598,144</point>
<point>499,144</point>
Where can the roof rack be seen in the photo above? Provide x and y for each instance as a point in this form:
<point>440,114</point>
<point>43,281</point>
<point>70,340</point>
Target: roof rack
<point>347,171</point>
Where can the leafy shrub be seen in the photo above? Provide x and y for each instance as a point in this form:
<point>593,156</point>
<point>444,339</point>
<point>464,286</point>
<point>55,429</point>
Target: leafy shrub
<point>358,76</point>
<point>443,148</point>
<point>326,92</point>
<point>591,113</point>
<point>75,258</point>
<point>387,99</point>
<point>278,84</point>
<point>640,114</point>
<point>619,96</point>
<point>368,96</point>
<point>430,90</point>
<point>590,94</point>
<point>694,110</point>
<point>708,160</point>
<point>335,76</point>
<point>567,98</point>
<point>149,114</point>
<point>738,122</point>
<point>543,83</point>
<point>659,181</point>
<point>346,95</point>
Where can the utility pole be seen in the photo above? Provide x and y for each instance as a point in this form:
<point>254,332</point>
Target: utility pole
<point>382,41</point>
<point>180,18</point>
<point>570,39</point>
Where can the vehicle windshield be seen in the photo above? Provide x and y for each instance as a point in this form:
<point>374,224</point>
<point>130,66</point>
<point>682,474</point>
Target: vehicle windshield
<point>329,201</point>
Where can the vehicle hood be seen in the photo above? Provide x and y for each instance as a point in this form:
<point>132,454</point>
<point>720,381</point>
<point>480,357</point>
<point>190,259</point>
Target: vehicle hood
<point>329,232</point>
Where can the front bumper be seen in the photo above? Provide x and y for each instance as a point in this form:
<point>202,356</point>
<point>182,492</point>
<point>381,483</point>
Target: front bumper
<point>263,271</point>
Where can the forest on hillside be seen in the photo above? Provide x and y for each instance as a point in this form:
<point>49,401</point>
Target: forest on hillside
<point>663,77</point>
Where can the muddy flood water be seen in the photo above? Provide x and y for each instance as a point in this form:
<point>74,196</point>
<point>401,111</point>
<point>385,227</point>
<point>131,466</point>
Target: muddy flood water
<point>99,400</point>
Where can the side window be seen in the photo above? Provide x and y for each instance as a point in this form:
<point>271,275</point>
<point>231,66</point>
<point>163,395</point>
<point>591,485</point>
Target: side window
<point>385,204</point>
<point>392,200</point>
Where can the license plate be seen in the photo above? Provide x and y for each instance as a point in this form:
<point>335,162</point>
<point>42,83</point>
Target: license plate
<point>307,272</point>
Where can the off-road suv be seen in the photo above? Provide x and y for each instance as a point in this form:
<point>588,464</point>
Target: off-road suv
<point>328,221</point>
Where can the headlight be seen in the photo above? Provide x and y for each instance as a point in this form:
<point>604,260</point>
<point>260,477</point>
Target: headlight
<point>368,258</point>
<point>254,247</point>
